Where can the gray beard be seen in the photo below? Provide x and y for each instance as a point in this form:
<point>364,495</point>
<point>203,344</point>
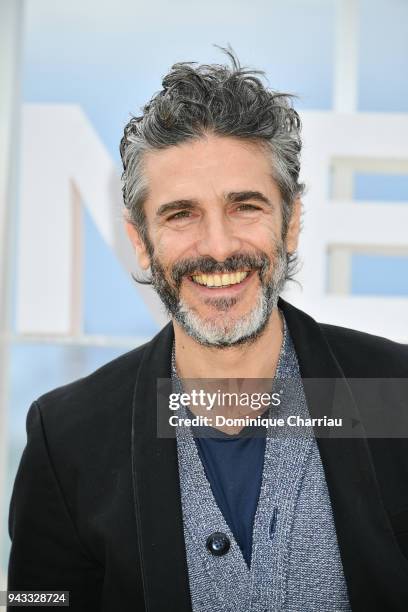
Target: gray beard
<point>224,331</point>
<point>227,331</point>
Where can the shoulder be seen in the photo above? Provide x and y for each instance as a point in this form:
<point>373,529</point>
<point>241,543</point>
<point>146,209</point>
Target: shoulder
<point>361,354</point>
<point>95,401</point>
<point>94,414</point>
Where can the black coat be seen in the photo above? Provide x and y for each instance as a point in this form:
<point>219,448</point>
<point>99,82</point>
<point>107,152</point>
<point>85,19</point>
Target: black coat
<point>96,502</point>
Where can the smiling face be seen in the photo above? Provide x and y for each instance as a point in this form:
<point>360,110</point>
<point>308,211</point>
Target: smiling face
<point>216,252</point>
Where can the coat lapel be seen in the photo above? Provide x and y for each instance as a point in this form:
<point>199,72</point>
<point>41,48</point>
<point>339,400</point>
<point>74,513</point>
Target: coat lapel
<point>375,570</point>
<point>156,489</point>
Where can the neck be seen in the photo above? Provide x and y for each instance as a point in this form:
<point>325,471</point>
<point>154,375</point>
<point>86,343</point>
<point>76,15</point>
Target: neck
<point>257,359</point>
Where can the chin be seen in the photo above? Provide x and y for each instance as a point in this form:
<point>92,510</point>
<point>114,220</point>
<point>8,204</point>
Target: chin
<point>222,331</point>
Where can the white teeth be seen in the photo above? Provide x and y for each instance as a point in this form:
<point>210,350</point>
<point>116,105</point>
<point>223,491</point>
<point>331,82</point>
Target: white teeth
<point>220,280</point>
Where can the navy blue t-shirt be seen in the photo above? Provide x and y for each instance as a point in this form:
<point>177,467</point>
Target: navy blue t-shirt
<point>233,466</point>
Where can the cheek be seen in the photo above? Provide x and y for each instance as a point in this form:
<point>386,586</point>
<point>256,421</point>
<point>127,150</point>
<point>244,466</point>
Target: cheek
<point>162,246</point>
<point>264,237</point>
<point>170,246</point>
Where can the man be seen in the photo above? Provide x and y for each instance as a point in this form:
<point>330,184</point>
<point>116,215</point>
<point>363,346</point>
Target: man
<point>127,519</point>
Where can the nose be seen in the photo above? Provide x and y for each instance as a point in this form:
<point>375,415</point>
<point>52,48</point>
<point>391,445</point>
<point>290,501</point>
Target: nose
<point>217,238</point>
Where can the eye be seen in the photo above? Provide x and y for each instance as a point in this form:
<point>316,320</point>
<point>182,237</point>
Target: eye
<point>247,207</point>
<point>182,214</point>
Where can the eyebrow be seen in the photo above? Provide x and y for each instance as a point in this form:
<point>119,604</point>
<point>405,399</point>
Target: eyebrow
<point>234,197</point>
<point>241,196</point>
<point>176,205</point>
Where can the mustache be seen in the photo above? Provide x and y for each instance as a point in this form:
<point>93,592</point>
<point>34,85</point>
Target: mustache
<point>208,265</point>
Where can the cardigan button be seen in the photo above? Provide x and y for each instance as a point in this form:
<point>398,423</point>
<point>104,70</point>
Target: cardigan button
<point>218,544</point>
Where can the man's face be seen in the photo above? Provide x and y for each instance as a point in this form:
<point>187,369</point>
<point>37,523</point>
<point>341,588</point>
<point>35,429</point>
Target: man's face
<point>214,221</point>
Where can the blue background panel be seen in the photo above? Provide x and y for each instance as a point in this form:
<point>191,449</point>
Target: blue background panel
<point>379,275</point>
<point>112,305</point>
<point>381,187</point>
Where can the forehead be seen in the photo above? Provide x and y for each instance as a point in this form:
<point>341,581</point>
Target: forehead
<point>208,167</point>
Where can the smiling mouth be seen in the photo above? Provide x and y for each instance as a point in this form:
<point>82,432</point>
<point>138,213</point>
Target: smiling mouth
<point>220,280</point>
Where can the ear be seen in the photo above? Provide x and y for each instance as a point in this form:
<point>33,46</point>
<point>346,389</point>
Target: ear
<point>138,244</point>
<point>292,236</point>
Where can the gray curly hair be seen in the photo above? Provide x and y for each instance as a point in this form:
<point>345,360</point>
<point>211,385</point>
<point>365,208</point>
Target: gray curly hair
<point>223,100</point>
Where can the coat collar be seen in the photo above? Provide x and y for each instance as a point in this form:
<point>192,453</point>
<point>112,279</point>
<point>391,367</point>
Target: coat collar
<point>374,569</point>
